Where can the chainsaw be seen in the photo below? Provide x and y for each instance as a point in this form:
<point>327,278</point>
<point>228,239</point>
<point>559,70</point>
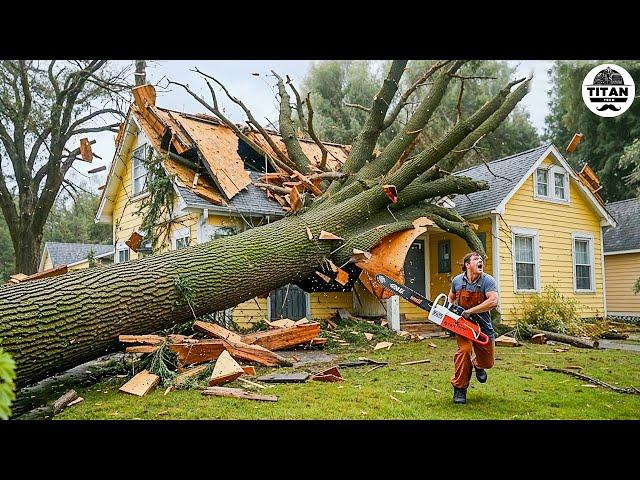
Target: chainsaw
<point>445,314</point>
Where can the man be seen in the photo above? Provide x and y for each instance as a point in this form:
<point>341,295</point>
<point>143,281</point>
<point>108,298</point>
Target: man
<point>477,293</point>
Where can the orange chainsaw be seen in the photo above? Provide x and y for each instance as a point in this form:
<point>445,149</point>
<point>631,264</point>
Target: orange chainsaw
<point>447,315</point>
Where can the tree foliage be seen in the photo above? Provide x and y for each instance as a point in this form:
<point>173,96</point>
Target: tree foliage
<point>7,386</point>
<point>608,142</point>
<point>337,86</point>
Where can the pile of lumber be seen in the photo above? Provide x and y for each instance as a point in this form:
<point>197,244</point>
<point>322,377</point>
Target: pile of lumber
<point>287,189</point>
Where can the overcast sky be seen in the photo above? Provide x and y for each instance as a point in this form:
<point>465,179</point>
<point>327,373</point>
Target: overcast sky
<point>257,92</point>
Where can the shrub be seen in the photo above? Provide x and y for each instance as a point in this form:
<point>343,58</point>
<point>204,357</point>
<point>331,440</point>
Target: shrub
<point>549,311</point>
<point>7,376</point>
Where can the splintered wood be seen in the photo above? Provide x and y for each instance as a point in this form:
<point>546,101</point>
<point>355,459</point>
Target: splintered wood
<point>85,150</point>
<point>342,277</point>
<point>330,375</point>
<point>285,337</point>
<point>381,345</point>
<point>225,370</point>
<point>309,234</point>
<point>141,384</point>
<point>216,331</point>
<point>324,235</point>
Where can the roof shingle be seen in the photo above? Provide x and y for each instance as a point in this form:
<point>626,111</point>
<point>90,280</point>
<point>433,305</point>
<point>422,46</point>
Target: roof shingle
<point>626,236</point>
<point>67,253</point>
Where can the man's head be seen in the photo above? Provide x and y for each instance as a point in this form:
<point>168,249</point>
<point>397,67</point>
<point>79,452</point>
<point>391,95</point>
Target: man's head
<point>473,264</point>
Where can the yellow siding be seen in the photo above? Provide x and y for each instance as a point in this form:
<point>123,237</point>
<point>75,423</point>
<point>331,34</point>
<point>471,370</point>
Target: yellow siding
<point>250,311</point>
<point>555,222</point>
<point>621,272</point>
<point>325,304</point>
<point>441,282</point>
<point>80,266</point>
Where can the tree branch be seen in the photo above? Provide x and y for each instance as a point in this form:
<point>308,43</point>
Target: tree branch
<point>357,106</point>
<point>417,191</point>
<point>312,134</point>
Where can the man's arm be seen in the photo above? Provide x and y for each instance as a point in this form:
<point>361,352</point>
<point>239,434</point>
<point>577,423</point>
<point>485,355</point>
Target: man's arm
<point>452,296</point>
<point>489,304</point>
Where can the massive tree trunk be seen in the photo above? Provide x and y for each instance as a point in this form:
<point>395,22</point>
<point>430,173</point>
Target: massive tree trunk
<point>56,323</point>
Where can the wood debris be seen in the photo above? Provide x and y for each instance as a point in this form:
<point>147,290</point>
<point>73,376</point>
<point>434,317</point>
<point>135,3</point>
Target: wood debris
<point>392,192</point>
<point>134,241</point>
<point>302,321</point>
<point>282,323</point>
<point>141,349</point>
<point>504,341</point>
<point>309,234</point>
<point>368,336</point>
<point>85,150</point>
<point>416,362</point>
<point>539,339</point>
<point>145,339</point>
<point>190,373</point>
<point>324,277</point>
<point>225,370</point>
<point>284,378</point>
<point>394,398</point>
<point>381,345</point>
<point>214,330</point>
<point>329,375</point>
<point>342,277</point>
<point>249,382</point>
<point>249,370</point>
<point>64,401</point>
<point>141,384</point>
<point>284,338</point>
<point>372,369</point>
<point>237,393</point>
<point>324,235</point>
<point>360,255</point>
<point>432,345</point>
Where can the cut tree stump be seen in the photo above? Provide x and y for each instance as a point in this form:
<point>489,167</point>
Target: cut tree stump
<point>539,339</point>
<point>238,393</point>
<point>214,330</point>
<point>225,370</point>
<point>504,341</point>
<point>141,384</point>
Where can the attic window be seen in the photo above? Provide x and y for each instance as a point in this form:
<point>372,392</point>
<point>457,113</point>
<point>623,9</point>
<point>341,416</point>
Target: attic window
<point>551,184</point>
<point>140,173</point>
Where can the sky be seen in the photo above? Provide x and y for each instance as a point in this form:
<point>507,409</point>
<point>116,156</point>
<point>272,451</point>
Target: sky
<point>258,93</point>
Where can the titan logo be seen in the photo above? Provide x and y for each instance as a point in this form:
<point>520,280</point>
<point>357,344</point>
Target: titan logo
<point>608,90</point>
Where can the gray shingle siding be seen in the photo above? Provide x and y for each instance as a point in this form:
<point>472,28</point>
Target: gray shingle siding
<point>250,201</point>
<point>67,253</point>
<point>507,172</point>
<point>626,236</point>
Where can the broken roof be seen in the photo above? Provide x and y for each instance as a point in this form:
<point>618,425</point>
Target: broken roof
<point>68,253</point>
<point>626,236</point>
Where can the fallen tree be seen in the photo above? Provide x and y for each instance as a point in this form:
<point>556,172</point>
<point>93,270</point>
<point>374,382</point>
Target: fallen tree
<point>53,324</point>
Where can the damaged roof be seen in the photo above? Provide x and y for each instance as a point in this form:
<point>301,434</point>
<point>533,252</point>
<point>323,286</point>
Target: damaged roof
<point>626,236</point>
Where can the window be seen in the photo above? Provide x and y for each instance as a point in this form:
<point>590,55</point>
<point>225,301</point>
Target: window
<point>224,232</point>
<point>483,238</point>
<point>552,184</point>
<point>181,238</point>
<point>122,253</point>
<point>525,260</point>
<point>140,173</point>
<point>444,256</point>
<point>559,184</point>
<point>583,262</point>
<point>542,182</point>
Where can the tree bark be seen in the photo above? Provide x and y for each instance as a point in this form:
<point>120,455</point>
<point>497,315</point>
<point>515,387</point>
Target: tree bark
<point>568,339</point>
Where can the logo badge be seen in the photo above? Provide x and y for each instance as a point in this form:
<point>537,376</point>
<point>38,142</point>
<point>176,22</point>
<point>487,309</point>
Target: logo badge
<point>608,90</point>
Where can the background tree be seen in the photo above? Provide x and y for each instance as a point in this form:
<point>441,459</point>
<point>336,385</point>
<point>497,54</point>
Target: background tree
<point>355,204</point>
<point>340,89</point>
<point>45,108</point>
<point>605,139</point>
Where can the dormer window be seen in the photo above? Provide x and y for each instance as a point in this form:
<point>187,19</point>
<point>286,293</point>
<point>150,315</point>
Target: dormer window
<point>552,184</point>
<point>140,174</point>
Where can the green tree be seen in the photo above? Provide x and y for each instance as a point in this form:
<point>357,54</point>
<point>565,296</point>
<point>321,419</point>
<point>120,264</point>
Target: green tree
<point>7,260</point>
<point>7,386</point>
<point>71,220</point>
<point>605,139</point>
<point>341,88</point>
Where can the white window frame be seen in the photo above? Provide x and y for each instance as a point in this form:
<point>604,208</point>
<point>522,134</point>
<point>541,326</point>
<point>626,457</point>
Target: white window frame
<point>179,234</point>
<point>526,232</point>
<point>121,247</point>
<point>551,185</point>
<point>589,237</point>
<point>145,191</point>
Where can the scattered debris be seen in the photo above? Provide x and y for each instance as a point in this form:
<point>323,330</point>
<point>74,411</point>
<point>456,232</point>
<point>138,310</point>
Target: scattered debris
<point>324,277</point>
<point>214,330</point>
<point>225,370</point>
<point>368,336</point>
<point>373,368</point>
<point>539,339</point>
<point>362,361</point>
<point>237,393</point>
<point>342,277</point>
<point>330,375</point>
<point>66,400</point>
<point>141,384</point>
<point>249,370</point>
<point>249,382</point>
<point>436,390</point>
<point>284,338</point>
<point>309,234</point>
<point>504,341</point>
<point>568,339</point>
<point>560,350</point>
<point>145,339</point>
<point>415,362</point>
<point>324,235</point>
<point>432,345</point>
<point>283,323</point>
<point>394,398</point>
<point>573,367</point>
<point>595,381</point>
<point>284,378</point>
<point>384,323</point>
<point>381,345</point>
<point>360,256</point>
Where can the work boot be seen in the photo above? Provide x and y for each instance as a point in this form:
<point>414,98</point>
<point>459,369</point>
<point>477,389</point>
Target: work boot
<point>459,395</point>
<point>481,375</point>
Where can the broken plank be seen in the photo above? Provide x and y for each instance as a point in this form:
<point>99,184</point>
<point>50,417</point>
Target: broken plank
<point>146,339</point>
<point>237,393</point>
<point>199,352</point>
<point>282,323</point>
<point>249,369</point>
<point>415,362</point>
<point>141,349</point>
<point>216,331</point>
<point>249,382</point>
<point>329,375</point>
<point>342,277</point>
<point>141,384</point>
<point>285,337</point>
<point>190,373</point>
<point>318,341</point>
<point>504,341</point>
<point>225,370</point>
<point>284,378</point>
<point>256,353</point>
<point>381,345</point>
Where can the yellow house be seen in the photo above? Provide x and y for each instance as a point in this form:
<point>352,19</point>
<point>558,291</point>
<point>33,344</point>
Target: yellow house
<point>73,255</point>
<point>622,259</point>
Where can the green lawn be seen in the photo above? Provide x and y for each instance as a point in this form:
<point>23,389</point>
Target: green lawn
<point>516,389</point>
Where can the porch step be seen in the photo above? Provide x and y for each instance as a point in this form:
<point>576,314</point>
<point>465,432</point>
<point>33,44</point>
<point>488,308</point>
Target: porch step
<point>418,327</point>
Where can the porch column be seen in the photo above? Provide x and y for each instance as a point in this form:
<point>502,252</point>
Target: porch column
<point>393,312</point>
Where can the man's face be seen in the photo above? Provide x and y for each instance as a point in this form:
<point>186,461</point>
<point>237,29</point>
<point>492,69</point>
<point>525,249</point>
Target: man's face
<point>475,265</point>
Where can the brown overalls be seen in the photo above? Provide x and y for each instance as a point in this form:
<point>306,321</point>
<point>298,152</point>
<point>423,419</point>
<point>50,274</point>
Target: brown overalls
<point>483,353</point>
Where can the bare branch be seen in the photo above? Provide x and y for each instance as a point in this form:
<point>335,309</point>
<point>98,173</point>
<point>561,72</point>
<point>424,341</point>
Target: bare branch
<point>299,103</point>
<point>273,188</point>
<point>312,134</point>
<point>357,106</point>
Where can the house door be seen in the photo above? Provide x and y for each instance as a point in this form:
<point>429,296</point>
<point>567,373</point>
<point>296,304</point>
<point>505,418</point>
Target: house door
<point>414,268</point>
<point>288,302</point>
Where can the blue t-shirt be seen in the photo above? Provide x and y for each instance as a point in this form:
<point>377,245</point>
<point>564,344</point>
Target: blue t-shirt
<point>485,283</point>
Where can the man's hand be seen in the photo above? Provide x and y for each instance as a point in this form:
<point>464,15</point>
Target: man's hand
<point>466,314</point>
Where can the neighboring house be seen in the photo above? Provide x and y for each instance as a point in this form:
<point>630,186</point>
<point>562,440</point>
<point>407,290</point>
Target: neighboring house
<point>73,255</point>
<point>622,259</point>
<point>540,221</point>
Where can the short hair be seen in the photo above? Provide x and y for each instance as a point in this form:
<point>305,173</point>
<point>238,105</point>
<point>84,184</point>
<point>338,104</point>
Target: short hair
<point>467,259</point>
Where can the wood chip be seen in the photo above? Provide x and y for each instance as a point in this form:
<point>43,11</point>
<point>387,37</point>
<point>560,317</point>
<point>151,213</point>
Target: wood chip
<point>342,277</point>
<point>249,369</point>
<point>253,384</point>
<point>432,345</point>
<point>309,234</point>
<point>416,362</point>
<point>368,336</point>
<point>394,398</point>
<point>225,370</point>
<point>324,235</point>
<point>381,345</point>
<point>324,277</point>
<point>141,384</point>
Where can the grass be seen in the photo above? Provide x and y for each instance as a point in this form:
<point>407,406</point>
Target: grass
<point>516,388</point>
